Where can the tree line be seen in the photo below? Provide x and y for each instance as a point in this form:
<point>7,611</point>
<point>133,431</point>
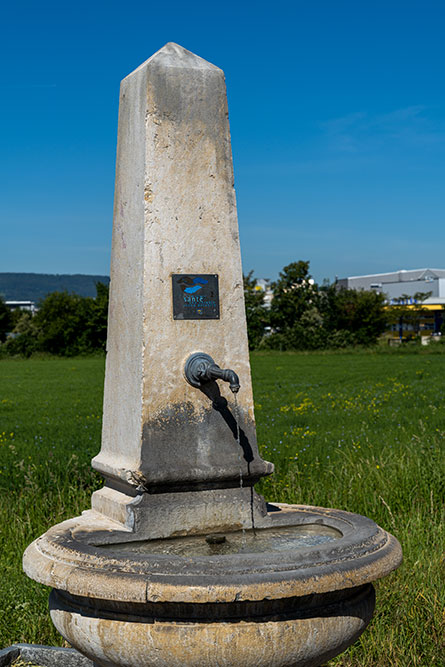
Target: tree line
<point>305,316</point>
<point>65,324</point>
<point>302,316</point>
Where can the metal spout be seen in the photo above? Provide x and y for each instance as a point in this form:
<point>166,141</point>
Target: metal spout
<point>200,368</point>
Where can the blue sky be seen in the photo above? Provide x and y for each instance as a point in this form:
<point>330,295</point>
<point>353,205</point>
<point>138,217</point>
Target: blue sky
<point>337,113</point>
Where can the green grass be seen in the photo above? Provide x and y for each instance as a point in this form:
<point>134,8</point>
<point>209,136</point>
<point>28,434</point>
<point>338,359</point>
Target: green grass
<point>50,421</point>
<point>359,431</point>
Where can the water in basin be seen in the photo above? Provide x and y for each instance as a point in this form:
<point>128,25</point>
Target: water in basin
<point>266,540</point>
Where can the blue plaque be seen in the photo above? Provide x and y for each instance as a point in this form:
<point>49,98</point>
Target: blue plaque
<point>195,296</point>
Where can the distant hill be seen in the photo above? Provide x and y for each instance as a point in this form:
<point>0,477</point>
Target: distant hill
<point>35,286</point>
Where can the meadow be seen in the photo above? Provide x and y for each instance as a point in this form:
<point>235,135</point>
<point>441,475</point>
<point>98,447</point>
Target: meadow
<point>361,431</point>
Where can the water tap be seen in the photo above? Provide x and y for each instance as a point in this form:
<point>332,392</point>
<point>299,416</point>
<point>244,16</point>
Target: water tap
<point>200,368</point>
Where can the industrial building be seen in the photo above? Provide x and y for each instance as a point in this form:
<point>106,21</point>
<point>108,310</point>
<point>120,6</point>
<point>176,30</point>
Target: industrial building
<point>404,288</point>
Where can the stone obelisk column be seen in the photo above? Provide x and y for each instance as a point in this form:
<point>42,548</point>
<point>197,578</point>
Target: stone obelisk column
<point>176,289</point>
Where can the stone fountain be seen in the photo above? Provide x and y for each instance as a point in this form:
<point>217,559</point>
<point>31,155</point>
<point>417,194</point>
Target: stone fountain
<point>179,561</point>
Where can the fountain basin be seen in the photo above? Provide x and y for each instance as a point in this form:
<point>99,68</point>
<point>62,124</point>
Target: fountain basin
<point>262,541</point>
<point>121,606</point>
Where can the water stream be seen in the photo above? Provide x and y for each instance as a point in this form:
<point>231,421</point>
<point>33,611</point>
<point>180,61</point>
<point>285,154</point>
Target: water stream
<point>238,439</point>
<point>240,461</point>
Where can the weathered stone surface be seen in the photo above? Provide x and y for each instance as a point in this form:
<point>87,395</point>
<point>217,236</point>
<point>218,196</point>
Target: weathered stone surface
<point>174,213</point>
<point>185,512</point>
<point>44,656</point>
<point>306,637</point>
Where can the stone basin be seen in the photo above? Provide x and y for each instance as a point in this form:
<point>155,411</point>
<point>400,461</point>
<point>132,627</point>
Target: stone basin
<point>119,604</point>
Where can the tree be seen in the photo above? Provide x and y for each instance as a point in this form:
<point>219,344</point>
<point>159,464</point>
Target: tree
<point>5,320</point>
<point>68,324</point>
<point>294,312</point>
<point>307,317</point>
<point>25,340</point>
<point>354,316</point>
<point>257,316</point>
<point>294,293</point>
<point>61,320</point>
<point>97,320</point>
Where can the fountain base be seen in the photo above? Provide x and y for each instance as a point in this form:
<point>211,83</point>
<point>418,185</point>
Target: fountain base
<point>293,607</point>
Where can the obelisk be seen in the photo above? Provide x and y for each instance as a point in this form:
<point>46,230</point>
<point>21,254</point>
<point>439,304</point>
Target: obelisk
<point>176,288</point>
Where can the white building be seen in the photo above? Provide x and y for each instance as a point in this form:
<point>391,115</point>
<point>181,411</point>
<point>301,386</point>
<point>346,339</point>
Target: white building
<point>30,306</point>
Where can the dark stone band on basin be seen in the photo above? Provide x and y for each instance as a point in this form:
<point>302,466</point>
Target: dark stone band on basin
<point>336,603</point>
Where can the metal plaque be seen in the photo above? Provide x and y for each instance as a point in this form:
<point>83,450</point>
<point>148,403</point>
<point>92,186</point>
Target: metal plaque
<point>195,296</point>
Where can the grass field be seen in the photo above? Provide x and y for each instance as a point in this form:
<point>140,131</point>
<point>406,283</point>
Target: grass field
<point>357,431</point>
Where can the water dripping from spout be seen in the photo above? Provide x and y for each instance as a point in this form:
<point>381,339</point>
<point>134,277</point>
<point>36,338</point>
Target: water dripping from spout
<point>238,439</point>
